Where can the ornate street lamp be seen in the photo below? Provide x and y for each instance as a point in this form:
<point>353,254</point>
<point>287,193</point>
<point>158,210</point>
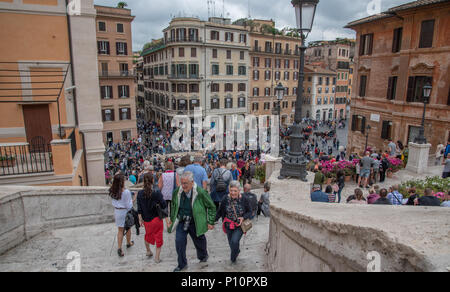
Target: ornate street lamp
<point>279,92</point>
<point>426,99</point>
<point>294,163</point>
<point>367,138</point>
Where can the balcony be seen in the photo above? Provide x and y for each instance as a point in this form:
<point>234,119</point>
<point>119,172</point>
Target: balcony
<point>268,50</point>
<point>117,74</point>
<point>23,158</point>
<point>184,40</point>
<point>257,49</point>
<point>288,52</point>
<point>184,77</point>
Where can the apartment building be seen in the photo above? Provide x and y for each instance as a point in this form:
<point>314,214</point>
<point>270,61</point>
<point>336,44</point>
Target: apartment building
<point>337,56</point>
<point>50,130</point>
<point>274,59</point>
<point>197,63</point>
<point>115,67</point>
<point>399,52</point>
<point>320,87</point>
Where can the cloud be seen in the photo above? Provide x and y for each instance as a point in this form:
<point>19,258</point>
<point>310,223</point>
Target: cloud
<point>152,16</point>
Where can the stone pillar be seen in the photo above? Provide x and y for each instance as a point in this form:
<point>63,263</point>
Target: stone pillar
<point>85,66</point>
<point>273,164</point>
<point>418,157</point>
<point>62,157</point>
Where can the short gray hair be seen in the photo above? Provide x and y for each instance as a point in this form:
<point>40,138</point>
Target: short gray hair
<point>235,184</point>
<point>187,175</point>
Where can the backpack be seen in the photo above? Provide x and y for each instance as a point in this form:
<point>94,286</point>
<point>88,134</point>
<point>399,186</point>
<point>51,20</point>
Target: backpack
<point>221,185</point>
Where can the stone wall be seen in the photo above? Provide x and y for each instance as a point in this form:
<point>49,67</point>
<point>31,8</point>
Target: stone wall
<point>306,236</point>
<point>27,211</point>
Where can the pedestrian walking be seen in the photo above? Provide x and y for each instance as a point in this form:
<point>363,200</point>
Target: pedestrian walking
<point>192,212</point>
<point>150,204</point>
<point>123,202</point>
<point>234,209</point>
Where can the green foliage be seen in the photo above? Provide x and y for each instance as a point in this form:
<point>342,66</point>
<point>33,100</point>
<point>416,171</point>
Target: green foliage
<point>260,172</point>
<point>436,183</point>
<point>7,157</point>
<point>122,4</point>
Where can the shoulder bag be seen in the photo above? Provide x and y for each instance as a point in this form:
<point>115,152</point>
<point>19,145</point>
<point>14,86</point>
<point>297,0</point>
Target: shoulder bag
<point>246,224</point>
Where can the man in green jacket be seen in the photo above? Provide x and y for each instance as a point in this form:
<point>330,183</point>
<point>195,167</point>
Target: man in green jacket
<point>192,212</point>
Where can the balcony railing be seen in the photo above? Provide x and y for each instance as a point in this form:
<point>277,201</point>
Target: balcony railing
<point>184,40</point>
<point>288,52</point>
<point>257,49</point>
<point>23,158</point>
<point>192,76</point>
<point>115,74</point>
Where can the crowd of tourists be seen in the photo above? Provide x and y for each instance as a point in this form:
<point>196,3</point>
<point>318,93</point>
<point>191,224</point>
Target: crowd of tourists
<point>371,170</point>
<point>191,200</point>
<point>191,193</point>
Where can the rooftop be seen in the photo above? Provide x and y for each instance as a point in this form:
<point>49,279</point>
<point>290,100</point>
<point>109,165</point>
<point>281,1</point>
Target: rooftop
<point>392,11</point>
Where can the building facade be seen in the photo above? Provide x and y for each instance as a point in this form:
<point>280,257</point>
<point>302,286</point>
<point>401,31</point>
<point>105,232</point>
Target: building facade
<point>337,56</point>
<point>319,92</point>
<point>400,51</point>
<point>197,63</point>
<point>274,59</point>
<point>50,131</point>
<point>115,67</point>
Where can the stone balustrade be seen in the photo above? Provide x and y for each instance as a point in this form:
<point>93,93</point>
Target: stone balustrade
<point>306,236</point>
<point>27,211</point>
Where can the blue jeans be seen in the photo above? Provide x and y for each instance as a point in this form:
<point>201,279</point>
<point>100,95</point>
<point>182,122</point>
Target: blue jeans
<point>339,195</point>
<point>234,237</point>
<point>181,242</point>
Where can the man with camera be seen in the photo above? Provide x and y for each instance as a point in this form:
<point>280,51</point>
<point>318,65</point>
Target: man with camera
<point>192,212</point>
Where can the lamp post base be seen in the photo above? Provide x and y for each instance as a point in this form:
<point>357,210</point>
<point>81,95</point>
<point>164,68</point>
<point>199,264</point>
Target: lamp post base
<point>293,166</point>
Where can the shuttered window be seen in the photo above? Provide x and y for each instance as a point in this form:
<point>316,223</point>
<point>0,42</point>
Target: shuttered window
<point>362,85</point>
<point>392,87</point>
<point>358,123</point>
<point>366,44</point>
<point>415,87</point>
<point>108,115</point>
<point>386,130</point>
<point>103,47</point>
<point>121,49</point>
<point>426,34</point>
<point>397,41</point>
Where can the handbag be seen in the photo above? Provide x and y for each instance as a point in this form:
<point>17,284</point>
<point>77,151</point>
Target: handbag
<point>246,224</point>
<point>162,213</point>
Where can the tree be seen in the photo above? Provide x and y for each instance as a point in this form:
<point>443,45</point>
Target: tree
<point>122,4</point>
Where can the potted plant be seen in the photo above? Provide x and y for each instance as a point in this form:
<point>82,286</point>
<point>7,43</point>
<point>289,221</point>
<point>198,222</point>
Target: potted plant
<point>7,161</point>
<point>349,172</point>
<point>260,173</point>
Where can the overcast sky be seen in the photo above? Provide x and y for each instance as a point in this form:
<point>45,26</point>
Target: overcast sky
<point>152,16</point>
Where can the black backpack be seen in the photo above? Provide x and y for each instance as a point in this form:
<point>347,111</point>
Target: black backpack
<point>221,185</point>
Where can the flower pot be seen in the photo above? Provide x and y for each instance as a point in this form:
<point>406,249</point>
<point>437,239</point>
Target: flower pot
<point>10,162</point>
<point>348,178</point>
